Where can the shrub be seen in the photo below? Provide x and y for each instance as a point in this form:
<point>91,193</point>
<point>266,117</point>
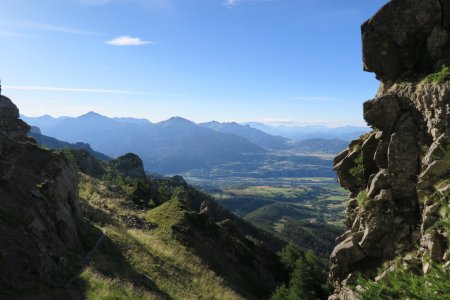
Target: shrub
<point>358,170</point>
<point>289,255</point>
<point>402,284</point>
<point>439,77</point>
<point>307,279</point>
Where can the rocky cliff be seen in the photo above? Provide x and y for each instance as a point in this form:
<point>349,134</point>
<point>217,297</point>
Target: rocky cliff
<point>39,207</point>
<point>398,175</point>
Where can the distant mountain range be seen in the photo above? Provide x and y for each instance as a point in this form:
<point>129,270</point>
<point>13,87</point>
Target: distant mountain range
<point>167,147</point>
<point>346,133</point>
<point>255,136</point>
<point>172,146</point>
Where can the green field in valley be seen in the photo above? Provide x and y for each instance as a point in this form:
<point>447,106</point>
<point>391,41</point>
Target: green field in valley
<point>294,197</point>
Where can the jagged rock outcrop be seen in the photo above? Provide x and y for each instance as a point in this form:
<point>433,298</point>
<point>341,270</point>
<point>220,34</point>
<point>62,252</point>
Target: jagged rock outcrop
<point>130,165</point>
<point>38,207</point>
<point>407,37</point>
<point>398,175</point>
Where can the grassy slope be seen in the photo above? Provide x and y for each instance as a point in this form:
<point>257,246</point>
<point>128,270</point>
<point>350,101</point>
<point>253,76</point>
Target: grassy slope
<point>160,263</point>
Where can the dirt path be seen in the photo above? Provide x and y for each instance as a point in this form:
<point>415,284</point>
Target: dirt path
<point>74,292</point>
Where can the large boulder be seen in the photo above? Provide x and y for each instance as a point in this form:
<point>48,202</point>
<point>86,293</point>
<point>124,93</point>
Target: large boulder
<point>406,37</point>
<point>382,112</point>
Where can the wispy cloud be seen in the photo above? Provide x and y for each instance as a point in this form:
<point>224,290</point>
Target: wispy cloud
<point>296,123</point>
<point>64,89</point>
<point>314,98</point>
<point>9,33</point>
<point>148,4</point>
<point>95,2</point>
<point>128,41</point>
<point>232,3</point>
<point>30,25</point>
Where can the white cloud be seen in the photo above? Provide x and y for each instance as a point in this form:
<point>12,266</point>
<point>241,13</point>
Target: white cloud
<point>128,41</point>
<point>64,89</point>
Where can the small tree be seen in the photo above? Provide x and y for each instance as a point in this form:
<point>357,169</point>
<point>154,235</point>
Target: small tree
<point>308,279</point>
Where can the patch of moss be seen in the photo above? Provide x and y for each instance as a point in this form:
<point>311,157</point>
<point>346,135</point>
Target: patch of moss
<point>362,198</point>
<point>439,77</point>
<point>358,170</point>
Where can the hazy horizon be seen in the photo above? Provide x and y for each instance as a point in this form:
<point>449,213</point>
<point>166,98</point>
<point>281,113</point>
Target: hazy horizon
<point>275,123</point>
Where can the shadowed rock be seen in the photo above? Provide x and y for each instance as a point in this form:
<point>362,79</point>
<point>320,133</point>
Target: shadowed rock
<point>406,37</point>
<point>39,207</point>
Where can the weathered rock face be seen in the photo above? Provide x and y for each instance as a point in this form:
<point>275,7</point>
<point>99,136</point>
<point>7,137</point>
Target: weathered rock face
<point>398,176</point>
<point>407,37</point>
<point>38,207</point>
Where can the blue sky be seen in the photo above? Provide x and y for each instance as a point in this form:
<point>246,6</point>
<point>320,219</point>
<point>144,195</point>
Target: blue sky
<point>275,61</point>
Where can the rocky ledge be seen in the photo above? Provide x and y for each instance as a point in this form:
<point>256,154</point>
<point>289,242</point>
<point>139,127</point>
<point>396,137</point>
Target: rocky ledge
<point>398,175</point>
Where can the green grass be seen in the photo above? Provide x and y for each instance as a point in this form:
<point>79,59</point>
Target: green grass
<point>362,198</point>
<point>312,217</point>
<point>438,77</point>
<point>271,192</point>
<point>402,284</point>
<point>143,265</point>
<point>167,214</point>
<point>100,287</point>
<point>336,198</point>
<point>277,211</point>
<point>147,264</point>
